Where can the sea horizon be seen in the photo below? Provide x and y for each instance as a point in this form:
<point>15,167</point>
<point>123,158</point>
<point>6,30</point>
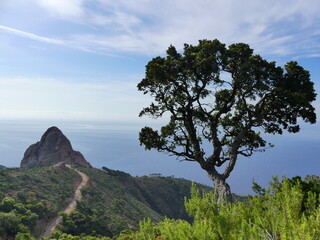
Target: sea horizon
<point>115,145</point>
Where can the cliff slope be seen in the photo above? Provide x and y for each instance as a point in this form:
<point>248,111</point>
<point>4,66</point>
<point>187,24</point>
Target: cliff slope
<point>54,147</point>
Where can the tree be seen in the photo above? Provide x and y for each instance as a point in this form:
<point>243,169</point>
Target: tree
<point>24,236</point>
<point>222,97</point>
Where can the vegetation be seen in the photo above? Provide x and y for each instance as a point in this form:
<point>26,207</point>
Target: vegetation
<point>114,200</point>
<point>286,210</point>
<point>17,218</point>
<point>29,198</point>
<point>51,186</point>
<point>219,98</point>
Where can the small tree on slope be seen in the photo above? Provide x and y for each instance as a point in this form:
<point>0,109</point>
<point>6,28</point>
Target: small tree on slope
<point>223,96</point>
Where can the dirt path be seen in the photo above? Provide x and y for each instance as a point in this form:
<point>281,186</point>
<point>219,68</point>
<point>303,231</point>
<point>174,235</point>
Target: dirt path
<point>72,206</point>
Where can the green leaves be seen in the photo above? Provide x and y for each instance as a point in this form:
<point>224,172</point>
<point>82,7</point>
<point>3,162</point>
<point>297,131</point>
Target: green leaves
<point>223,99</point>
<point>15,217</point>
<point>151,139</point>
<point>258,94</point>
<point>277,213</point>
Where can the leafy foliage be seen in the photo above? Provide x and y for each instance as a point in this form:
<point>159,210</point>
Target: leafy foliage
<point>15,218</point>
<point>114,200</point>
<point>279,213</point>
<point>285,210</point>
<point>57,235</point>
<point>24,236</point>
<point>51,186</point>
<point>223,96</point>
<point>31,197</point>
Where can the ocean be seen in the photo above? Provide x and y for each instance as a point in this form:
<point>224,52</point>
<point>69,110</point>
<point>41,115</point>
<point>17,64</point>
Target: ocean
<point>116,146</point>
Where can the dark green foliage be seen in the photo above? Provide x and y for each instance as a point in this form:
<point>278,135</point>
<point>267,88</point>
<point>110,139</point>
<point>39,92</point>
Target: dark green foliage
<point>115,201</point>
<point>9,224</point>
<point>50,187</point>
<point>34,196</point>
<point>24,236</point>
<point>112,201</point>
<point>258,189</point>
<point>7,204</point>
<point>57,235</point>
<point>92,221</point>
<point>165,195</point>
<point>222,97</point>
<point>115,173</point>
<point>15,217</point>
<point>278,213</point>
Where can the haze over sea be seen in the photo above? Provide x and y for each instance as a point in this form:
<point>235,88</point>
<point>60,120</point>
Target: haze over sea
<point>116,146</point>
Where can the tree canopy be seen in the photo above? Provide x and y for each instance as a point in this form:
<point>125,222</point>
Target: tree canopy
<point>226,96</point>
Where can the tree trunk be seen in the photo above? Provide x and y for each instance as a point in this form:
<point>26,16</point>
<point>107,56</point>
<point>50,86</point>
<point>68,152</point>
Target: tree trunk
<point>222,188</point>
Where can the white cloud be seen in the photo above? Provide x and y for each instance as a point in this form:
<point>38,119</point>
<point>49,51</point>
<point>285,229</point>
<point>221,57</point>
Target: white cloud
<point>32,36</point>
<point>279,27</point>
<point>64,8</point>
<point>270,26</point>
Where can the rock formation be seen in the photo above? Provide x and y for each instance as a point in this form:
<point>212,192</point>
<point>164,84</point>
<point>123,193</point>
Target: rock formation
<point>53,148</point>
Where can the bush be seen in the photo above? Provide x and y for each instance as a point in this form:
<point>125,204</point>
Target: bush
<point>24,236</point>
<point>15,218</point>
<point>285,210</point>
<point>57,235</point>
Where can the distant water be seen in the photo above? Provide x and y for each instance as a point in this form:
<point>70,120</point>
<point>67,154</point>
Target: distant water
<point>116,146</point>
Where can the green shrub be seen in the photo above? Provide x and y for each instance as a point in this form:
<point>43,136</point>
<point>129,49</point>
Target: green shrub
<point>24,236</point>
<point>286,210</point>
<point>57,235</point>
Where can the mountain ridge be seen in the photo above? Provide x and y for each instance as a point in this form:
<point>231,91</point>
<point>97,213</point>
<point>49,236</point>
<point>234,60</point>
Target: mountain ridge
<point>112,200</point>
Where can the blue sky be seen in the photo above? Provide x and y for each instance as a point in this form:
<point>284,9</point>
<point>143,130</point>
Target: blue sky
<point>80,60</point>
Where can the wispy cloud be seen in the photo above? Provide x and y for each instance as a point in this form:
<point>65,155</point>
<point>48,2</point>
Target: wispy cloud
<point>76,44</point>
<point>149,27</point>
<point>61,8</point>
<point>31,35</point>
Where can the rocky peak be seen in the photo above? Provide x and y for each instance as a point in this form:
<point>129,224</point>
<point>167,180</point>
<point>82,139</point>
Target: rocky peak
<point>54,147</point>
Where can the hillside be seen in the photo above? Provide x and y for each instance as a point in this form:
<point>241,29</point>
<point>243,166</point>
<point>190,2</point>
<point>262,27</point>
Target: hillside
<point>112,200</point>
<point>44,191</point>
<point>40,197</point>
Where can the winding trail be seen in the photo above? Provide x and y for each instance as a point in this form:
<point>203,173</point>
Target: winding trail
<point>71,207</point>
